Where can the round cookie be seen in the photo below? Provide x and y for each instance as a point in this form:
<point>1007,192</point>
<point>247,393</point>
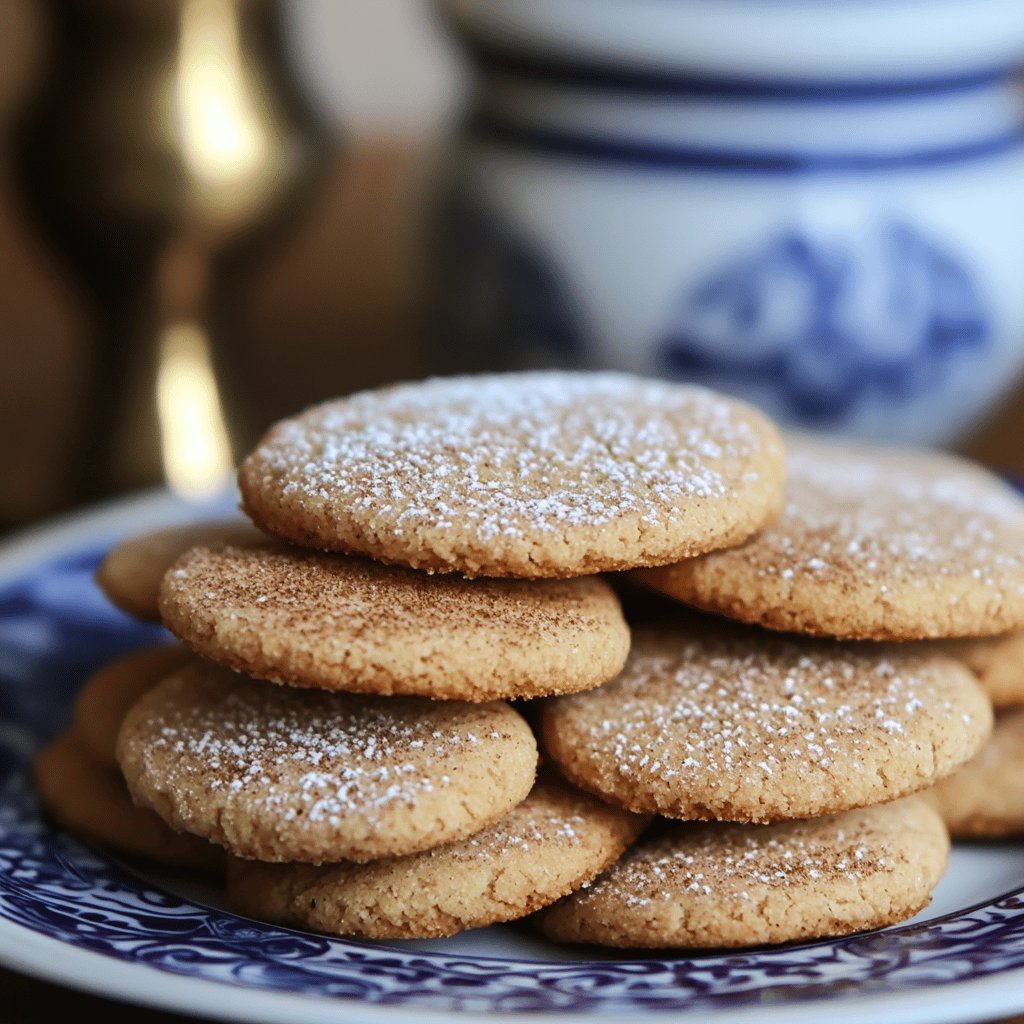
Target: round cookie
<point>336,622</point>
<point>109,692</point>
<point>523,475</point>
<point>710,886</point>
<point>131,572</point>
<point>556,840</point>
<point>90,801</point>
<point>734,724</point>
<point>985,798</point>
<point>278,774</point>
<point>998,662</point>
<point>874,544</point>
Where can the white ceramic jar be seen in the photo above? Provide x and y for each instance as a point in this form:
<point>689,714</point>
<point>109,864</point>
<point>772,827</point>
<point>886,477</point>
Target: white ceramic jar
<point>816,204</point>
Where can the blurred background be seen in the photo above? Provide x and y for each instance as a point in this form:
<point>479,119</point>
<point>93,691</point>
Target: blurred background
<point>215,212</point>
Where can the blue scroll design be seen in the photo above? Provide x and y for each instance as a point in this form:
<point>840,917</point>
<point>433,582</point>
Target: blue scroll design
<point>827,328</point>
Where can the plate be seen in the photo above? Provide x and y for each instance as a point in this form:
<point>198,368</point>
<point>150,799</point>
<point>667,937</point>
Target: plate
<point>76,916</point>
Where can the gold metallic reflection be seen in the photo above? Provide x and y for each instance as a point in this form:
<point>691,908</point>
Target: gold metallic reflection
<point>193,434</point>
<point>222,132</point>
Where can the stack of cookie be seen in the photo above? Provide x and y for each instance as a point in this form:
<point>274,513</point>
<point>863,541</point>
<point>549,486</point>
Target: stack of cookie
<point>387,749</point>
<point>985,798</point>
<point>79,781</point>
<point>344,731</point>
<point>874,549</point>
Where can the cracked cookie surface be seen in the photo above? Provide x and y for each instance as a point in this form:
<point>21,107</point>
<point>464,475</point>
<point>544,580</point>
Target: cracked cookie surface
<point>521,475</point>
<point>556,840</point>
<point>278,774</point>
<point>720,721</point>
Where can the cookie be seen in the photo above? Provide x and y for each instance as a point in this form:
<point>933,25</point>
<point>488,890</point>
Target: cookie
<point>523,475</point>
<point>338,622</point>
<point>985,798</point>
<point>109,692</point>
<point>556,840</point>
<point>90,801</point>
<point>299,775</point>
<point>998,662</point>
<point>735,724</point>
<point>131,572</point>
<point>710,886</point>
<point>875,544</point>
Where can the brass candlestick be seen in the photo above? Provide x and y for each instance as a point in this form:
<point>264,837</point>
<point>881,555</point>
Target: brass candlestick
<point>166,141</point>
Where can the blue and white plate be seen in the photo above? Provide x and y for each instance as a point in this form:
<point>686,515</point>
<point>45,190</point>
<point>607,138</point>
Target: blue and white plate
<point>74,915</point>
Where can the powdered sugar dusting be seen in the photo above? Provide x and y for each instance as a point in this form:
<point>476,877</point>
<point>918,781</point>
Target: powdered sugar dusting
<point>312,756</point>
<point>730,862</point>
<point>753,725</point>
<point>860,513</point>
<point>550,819</point>
<point>503,456</point>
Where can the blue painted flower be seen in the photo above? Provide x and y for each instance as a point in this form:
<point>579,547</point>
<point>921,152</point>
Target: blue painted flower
<point>826,326</point>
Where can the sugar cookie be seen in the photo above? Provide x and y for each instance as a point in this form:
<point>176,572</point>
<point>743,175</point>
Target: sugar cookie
<point>131,572</point>
<point>874,544</point>
<point>706,886</point>
<point>555,840</point>
<point>732,723</point>
<point>90,801</point>
<point>985,798</point>
<point>278,774</point>
<point>997,661</point>
<point>530,475</point>
<point>109,692</point>
<point>338,622</point>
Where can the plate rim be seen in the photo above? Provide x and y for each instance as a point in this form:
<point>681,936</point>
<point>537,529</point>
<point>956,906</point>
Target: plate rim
<point>48,959</point>
<point>40,956</point>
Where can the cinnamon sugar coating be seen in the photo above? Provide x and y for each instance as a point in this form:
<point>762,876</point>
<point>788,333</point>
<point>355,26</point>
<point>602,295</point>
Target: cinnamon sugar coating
<point>297,775</point>
<point>706,886</point>
<point>736,724</point>
<point>339,622</point>
<point>131,572</point>
<point>873,543</point>
<point>522,475</point>
<point>556,840</point>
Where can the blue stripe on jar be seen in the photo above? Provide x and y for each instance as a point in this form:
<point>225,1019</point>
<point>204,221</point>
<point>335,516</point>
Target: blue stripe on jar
<point>571,72</point>
<point>488,128</point>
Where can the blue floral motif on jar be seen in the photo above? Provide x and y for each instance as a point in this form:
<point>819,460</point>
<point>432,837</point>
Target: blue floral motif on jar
<point>641,149</point>
<point>793,314</point>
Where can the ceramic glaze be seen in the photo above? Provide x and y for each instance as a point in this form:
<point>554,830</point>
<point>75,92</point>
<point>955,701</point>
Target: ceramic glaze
<point>814,205</point>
